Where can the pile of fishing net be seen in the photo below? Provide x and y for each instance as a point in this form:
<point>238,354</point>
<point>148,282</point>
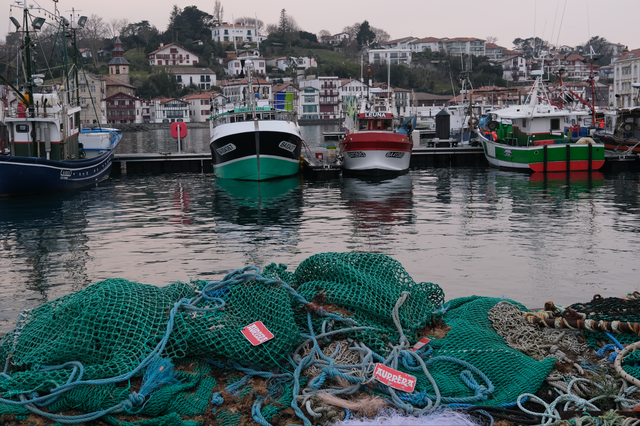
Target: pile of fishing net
<point>129,353</point>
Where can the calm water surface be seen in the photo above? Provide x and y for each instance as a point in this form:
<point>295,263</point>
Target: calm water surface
<point>472,231</point>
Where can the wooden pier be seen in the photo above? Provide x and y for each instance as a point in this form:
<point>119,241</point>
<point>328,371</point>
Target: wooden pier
<point>444,154</point>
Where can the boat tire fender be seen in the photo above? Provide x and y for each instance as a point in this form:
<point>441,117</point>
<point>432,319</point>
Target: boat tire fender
<point>492,125</point>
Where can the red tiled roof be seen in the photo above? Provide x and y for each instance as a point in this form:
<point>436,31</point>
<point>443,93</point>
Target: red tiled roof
<point>630,54</point>
<point>170,44</point>
<point>426,40</point>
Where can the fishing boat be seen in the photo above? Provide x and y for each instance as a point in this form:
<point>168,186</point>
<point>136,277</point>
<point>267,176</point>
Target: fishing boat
<point>254,141</point>
<point>621,131</point>
<point>531,137</point>
<point>376,146</point>
<point>96,141</point>
<point>44,152</point>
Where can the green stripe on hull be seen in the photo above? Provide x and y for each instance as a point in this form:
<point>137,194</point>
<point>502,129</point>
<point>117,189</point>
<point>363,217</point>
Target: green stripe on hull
<point>247,168</point>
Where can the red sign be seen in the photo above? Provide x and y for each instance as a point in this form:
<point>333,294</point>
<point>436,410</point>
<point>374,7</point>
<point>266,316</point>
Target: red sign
<point>178,126</point>
<point>394,378</point>
<point>257,333</point>
<point>420,344</point>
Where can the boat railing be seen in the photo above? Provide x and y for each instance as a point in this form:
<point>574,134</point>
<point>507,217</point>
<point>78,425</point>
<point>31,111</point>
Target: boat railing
<point>247,114</point>
<point>22,112</point>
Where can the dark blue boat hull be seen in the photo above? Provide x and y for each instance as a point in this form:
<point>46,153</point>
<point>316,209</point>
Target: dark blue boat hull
<point>30,175</point>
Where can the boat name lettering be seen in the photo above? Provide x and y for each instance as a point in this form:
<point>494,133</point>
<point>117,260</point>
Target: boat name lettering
<point>287,146</point>
<point>356,154</point>
<point>65,173</point>
<point>394,154</point>
<point>507,153</point>
<point>226,149</point>
<point>375,114</point>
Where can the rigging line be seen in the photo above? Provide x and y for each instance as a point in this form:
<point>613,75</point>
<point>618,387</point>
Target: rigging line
<point>553,30</point>
<point>44,54</point>
<point>561,20</point>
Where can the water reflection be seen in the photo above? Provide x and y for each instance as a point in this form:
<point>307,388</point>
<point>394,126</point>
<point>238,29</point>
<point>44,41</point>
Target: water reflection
<point>258,203</point>
<point>378,205</point>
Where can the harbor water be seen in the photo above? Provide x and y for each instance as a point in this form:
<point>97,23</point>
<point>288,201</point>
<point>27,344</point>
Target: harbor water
<point>471,230</point>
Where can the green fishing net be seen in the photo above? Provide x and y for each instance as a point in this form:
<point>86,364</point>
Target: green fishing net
<point>111,326</point>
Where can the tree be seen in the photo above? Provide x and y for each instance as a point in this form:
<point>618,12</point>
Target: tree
<point>251,21</point>
<point>218,12</point>
<point>323,33</point>
<point>116,27</point>
<point>532,46</point>
<point>365,35</point>
<point>93,35</point>
<point>352,30</point>
<point>602,50</point>
<point>189,24</point>
<point>283,24</point>
<point>381,35</point>
<point>491,39</point>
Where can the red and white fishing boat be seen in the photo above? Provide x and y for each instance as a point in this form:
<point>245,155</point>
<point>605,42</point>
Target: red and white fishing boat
<point>375,146</point>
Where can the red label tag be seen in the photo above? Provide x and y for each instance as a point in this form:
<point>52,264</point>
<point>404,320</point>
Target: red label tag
<point>394,378</point>
<point>420,344</point>
<point>257,333</point>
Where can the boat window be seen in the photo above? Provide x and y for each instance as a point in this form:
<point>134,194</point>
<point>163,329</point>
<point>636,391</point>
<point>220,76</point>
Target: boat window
<point>387,124</point>
<point>555,124</point>
<point>524,122</point>
<point>363,125</point>
<point>22,128</point>
<point>573,121</point>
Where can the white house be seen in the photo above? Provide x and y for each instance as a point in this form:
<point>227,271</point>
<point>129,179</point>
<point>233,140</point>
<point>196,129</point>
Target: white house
<point>352,87</point>
<point>335,39</point>
<point>200,105</point>
<point>394,56</point>
<point>234,66</point>
<point>242,32</point>
<point>465,45</point>
<point>432,43</point>
<point>172,54</point>
<point>203,78</point>
<point>235,90</point>
<point>169,110</point>
<point>514,68</point>
<point>400,43</point>
<point>627,72</point>
<point>298,64</point>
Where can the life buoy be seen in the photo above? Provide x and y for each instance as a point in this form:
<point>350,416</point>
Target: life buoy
<point>473,121</point>
<point>586,140</point>
<point>628,127</point>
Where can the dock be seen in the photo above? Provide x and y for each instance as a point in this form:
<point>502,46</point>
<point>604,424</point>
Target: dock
<point>443,154</point>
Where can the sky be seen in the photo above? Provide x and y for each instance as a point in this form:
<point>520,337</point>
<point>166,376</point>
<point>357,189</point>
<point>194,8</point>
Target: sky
<point>565,22</point>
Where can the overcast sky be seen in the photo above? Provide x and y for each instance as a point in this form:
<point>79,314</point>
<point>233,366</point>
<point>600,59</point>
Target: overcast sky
<point>615,20</point>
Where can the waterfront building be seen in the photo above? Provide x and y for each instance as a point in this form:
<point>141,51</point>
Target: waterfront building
<point>123,108</point>
<point>626,73</point>
<point>169,110</point>
<point>310,103</point>
<point>92,99</point>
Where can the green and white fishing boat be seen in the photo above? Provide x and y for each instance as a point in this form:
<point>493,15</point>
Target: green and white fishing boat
<point>533,137</point>
<point>255,142</point>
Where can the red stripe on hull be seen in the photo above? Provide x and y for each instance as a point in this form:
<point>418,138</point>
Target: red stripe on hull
<point>375,141</point>
<point>561,166</point>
